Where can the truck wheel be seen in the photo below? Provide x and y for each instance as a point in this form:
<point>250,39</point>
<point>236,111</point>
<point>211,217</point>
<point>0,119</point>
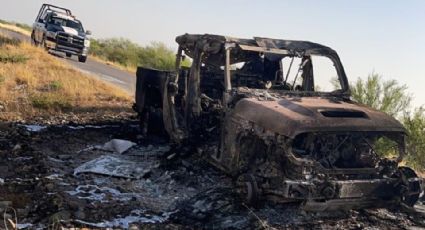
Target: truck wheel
<point>33,41</point>
<point>43,44</point>
<point>82,59</point>
<point>247,188</point>
<point>412,190</point>
<point>68,55</point>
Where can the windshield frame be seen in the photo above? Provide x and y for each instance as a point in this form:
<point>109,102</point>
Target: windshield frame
<point>333,56</point>
<point>76,22</point>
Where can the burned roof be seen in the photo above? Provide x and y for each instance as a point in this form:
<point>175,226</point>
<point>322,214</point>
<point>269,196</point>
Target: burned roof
<point>213,47</point>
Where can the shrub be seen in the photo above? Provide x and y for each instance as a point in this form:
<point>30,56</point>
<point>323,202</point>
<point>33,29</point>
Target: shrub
<point>415,126</point>
<point>385,95</point>
<point>393,98</point>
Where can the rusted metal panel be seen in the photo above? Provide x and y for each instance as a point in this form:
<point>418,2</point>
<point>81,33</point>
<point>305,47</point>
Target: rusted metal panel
<point>292,116</point>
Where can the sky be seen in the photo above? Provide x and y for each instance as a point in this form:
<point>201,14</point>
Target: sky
<point>385,37</point>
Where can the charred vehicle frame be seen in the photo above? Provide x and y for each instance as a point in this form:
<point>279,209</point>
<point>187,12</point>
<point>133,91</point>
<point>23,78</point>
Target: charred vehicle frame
<point>280,140</point>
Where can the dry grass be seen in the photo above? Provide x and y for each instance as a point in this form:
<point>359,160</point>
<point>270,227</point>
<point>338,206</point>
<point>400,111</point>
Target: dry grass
<point>15,29</point>
<point>38,83</point>
<point>10,26</point>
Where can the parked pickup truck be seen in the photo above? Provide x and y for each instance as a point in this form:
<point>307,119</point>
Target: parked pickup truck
<point>276,115</point>
<point>56,28</point>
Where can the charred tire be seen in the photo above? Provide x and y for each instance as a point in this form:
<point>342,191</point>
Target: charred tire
<point>412,191</point>
<point>82,59</point>
<point>68,55</point>
<point>247,188</point>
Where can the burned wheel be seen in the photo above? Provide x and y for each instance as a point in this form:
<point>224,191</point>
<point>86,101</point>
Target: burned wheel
<point>247,188</point>
<point>410,189</point>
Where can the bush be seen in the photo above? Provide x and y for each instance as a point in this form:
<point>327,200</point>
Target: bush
<point>392,98</point>
<point>385,95</point>
<point>415,126</point>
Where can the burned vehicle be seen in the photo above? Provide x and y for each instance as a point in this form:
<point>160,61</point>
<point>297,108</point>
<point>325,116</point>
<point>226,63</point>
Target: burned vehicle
<point>56,28</point>
<point>277,116</point>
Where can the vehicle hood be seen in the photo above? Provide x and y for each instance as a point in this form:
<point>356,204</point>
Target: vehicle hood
<point>68,30</point>
<point>291,116</point>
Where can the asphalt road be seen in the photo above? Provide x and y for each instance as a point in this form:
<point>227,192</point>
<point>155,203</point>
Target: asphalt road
<point>122,79</point>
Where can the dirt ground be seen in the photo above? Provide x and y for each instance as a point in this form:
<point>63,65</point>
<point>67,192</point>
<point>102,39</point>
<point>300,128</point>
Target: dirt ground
<point>62,175</point>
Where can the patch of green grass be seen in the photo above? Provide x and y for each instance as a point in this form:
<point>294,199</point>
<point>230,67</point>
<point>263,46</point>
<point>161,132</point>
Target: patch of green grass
<point>9,41</point>
<point>55,85</point>
<point>50,102</point>
<point>2,79</point>
<point>13,58</point>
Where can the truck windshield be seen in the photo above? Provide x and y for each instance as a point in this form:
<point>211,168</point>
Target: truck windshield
<point>313,73</point>
<point>68,23</point>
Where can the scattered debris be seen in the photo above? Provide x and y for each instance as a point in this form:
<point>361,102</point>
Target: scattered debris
<point>91,126</point>
<point>136,216</point>
<point>110,165</point>
<point>118,146</point>
<point>34,128</point>
<point>53,183</point>
<point>24,226</point>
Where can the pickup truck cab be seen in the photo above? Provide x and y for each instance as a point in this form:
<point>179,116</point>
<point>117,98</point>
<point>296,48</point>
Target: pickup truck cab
<point>57,29</point>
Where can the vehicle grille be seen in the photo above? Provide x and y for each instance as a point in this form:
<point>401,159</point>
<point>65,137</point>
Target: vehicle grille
<point>70,40</point>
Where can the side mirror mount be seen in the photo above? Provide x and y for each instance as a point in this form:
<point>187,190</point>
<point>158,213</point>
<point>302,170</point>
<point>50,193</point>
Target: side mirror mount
<point>88,32</point>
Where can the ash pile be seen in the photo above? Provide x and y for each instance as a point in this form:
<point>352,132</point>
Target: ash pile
<point>107,176</point>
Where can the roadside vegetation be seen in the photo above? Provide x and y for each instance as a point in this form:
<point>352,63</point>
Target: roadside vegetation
<point>32,83</point>
<point>129,55</point>
<point>394,99</point>
<point>119,52</point>
<point>17,27</point>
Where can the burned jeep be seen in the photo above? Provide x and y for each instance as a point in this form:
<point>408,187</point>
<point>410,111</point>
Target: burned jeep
<point>277,116</point>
